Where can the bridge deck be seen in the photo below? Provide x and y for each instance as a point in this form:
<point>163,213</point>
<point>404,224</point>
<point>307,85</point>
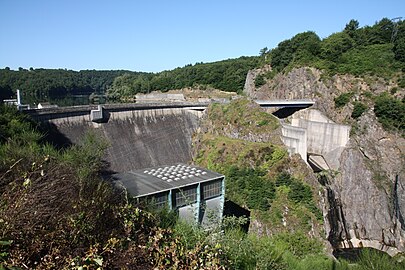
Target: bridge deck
<point>286,103</point>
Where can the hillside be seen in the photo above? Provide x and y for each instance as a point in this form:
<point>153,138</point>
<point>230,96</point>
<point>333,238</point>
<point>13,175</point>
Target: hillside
<point>58,213</point>
<point>39,85</point>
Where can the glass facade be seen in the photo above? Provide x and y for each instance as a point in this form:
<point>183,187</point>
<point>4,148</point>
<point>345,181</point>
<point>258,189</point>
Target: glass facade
<point>185,196</point>
<point>211,189</point>
<point>160,200</point>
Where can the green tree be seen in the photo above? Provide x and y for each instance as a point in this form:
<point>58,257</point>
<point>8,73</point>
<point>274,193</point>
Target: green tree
<point>263,51</point>
<point>390,111</point>
<point>335,45</point>
<point>351,28</point>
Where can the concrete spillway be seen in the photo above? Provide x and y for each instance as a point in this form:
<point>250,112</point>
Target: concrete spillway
<point>316,138</point>
<point>136,138</point>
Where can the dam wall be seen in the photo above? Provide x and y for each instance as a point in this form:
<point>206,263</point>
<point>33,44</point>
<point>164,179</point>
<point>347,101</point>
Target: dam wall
<point>315,137</point>
<point>295,138</point>
<point>137,138</point>
<point>324,137</point>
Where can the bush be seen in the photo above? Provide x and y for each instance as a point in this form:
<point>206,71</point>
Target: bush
<point>343,99</point>
<point>359,109</point>
<point>390,112</point>
<point>259,80</point>
<point>256,190</point>
<point>298,244</point>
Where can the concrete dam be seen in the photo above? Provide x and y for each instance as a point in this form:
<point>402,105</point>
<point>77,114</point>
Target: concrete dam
<point>138,137</point>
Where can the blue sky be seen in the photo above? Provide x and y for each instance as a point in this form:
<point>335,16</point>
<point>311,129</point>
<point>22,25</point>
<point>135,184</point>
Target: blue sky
<point>158,35</point>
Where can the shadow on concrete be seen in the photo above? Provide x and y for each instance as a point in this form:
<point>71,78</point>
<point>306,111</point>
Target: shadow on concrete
<point>53,136</point>
<point>233,209</point>
<point>286,112</point>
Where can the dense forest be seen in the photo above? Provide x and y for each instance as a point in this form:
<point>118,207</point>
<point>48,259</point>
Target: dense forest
<point>44,84</point>
<point>228,75</point>
<point>376,50</point>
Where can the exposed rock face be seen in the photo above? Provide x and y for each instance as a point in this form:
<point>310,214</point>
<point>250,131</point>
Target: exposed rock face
<point>361,211</point>
<point>364,198</point>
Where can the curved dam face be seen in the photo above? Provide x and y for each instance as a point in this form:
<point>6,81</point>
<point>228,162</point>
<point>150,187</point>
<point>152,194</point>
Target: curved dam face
<point>137,138</point>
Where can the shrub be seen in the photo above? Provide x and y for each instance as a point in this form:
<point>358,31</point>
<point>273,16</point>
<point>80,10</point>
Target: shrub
<point>359,109</point>
<point>390,112</point>
<point>373,259</point>
<point>259,80</point>
<point>343,99</point>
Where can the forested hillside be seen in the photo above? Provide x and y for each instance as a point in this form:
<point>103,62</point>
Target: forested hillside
<point>42,84</point>
<point>374,50</point>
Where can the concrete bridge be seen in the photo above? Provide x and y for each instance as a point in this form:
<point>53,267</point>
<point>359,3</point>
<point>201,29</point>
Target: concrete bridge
<point>286,103</point>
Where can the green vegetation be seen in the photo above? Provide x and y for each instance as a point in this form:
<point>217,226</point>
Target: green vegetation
<point>260,80</point>
<point>390,112</point>
<point>245,116</point>
<point>39,85</point>
<point>49,84</point>
<point>256,172</point>
<point>358,109</point>
<point>359,51</point>
<point>228,75</point>
<point>343,99</point>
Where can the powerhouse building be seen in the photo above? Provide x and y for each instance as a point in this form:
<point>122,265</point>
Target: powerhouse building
<point>197,194</point>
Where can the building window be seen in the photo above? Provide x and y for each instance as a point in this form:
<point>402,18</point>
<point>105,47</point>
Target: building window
<point>212,189</point>
<point>185,196</point>
<point>160,200</point>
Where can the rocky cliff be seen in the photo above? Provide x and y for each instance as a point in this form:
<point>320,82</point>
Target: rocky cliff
<point>364,198</point>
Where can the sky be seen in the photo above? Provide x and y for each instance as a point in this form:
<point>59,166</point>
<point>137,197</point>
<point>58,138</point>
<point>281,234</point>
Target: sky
<point>157,35</point>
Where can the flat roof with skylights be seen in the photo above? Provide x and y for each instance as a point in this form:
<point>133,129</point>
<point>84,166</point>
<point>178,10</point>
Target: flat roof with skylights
<point>149,181</point>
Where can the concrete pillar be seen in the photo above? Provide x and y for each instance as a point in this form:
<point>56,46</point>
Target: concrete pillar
<point>169,200</point>
<point>199,201</point>
<point>221,212</point>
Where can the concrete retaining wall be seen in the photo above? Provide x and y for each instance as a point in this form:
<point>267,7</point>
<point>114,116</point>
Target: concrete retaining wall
<point>324,137</point>
<point>295,138</point>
